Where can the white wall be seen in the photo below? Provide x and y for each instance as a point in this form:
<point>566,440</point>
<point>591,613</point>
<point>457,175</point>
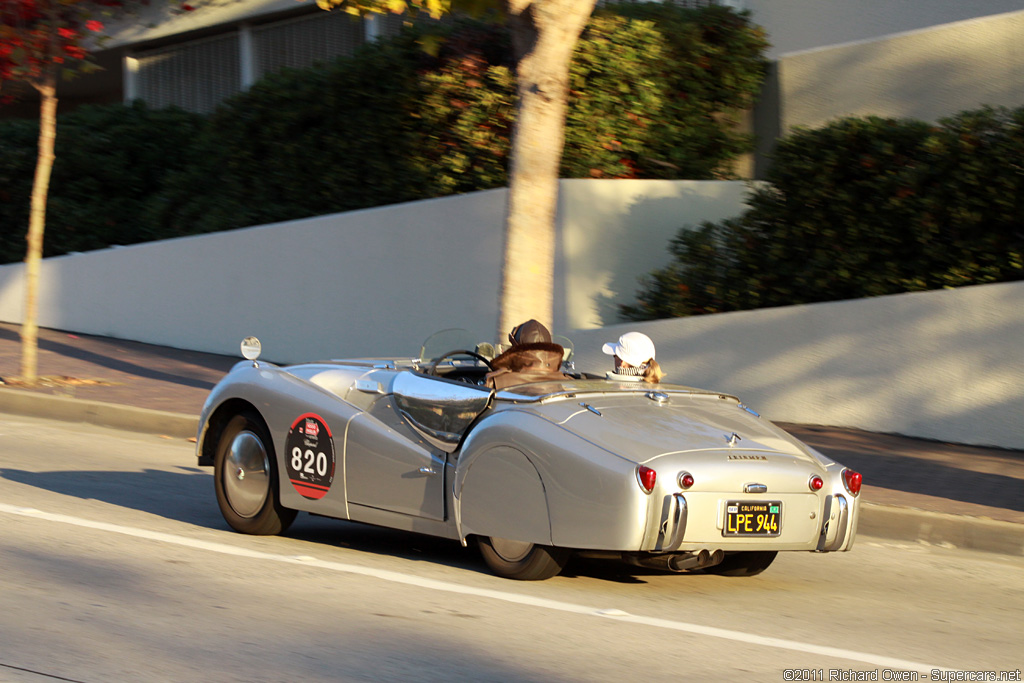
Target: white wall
<point>613,232</point>
<point>924,75</point>
<point>806,24</point>
<point>368,282</point>
<point>945,365</point>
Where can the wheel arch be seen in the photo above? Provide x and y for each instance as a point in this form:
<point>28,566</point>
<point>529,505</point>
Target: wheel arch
<point>218,420</point>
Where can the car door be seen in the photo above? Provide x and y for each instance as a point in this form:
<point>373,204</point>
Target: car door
<point>396,452</point>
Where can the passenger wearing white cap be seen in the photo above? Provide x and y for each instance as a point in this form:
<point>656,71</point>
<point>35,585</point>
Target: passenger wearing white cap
<point>634,359</point>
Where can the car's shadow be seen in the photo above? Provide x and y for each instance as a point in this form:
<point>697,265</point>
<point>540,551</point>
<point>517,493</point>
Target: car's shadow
<point>186,495</point>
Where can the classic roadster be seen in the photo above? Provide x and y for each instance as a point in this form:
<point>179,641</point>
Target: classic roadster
<point>661,476</point>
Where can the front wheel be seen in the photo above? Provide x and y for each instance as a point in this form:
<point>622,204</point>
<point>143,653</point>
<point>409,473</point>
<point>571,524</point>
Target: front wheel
<point>521,560</point>
<point>749,563</point>
<point>245,478</point>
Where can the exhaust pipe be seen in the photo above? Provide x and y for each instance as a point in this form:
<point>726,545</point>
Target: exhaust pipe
<point>678,562</point>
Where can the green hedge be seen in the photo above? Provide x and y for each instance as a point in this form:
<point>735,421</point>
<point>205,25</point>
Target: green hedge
<point>655,92</point>
<point>112,164</point>
<point>861,207</point>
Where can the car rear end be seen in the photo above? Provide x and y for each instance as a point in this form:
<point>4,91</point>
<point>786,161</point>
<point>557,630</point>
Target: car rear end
<point>717,477</point>
<point>738,499</point>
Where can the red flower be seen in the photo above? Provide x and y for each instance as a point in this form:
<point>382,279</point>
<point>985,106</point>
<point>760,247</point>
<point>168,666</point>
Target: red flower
<point>66,32</point>
<point>187,7</point>
<point>94,25</point>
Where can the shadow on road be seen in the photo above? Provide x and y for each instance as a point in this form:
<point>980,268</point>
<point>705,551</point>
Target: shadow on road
<point>187,496</point>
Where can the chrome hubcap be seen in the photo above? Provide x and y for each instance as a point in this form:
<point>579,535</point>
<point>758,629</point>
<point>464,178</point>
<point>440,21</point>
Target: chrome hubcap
<point>246,474</point>
<point>511,551</point>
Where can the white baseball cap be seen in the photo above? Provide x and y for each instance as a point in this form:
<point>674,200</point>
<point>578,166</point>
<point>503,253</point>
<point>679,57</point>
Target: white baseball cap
<point>635,348</point>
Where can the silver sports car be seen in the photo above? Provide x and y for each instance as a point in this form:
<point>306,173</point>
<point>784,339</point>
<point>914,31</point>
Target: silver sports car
<point>661,476</point>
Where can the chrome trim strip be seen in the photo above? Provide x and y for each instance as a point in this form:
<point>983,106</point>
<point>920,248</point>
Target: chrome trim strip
<point>567,389</point>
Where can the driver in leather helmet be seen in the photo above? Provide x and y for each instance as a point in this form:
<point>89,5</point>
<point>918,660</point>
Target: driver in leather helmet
<point>532,358</point>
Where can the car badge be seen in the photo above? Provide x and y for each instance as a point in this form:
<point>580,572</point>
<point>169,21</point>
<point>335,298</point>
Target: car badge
<point>658,397</point>
<point>732,439</point>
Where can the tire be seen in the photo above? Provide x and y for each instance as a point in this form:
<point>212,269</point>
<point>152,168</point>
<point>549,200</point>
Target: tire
<point>743,563</point>
<point>522,561</point>
<point>246,480</point>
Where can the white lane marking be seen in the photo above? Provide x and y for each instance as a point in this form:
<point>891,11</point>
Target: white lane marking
<point>516,598</point>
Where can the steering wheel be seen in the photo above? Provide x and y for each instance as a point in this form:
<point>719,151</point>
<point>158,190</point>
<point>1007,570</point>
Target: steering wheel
<point>459,352</point>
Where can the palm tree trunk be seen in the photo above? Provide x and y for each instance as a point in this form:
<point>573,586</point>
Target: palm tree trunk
<point>47,88</point>
<point>544,34</point>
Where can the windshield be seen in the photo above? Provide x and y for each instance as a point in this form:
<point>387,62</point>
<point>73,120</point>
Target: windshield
<point>442,342</point>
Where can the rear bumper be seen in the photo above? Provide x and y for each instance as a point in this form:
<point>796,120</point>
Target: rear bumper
<point>681,528</point>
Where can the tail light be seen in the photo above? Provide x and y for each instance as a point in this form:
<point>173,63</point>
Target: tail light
<point>646,477</point>
<point>685,480</point>
<point>816,483</point>
<point>852,480</point>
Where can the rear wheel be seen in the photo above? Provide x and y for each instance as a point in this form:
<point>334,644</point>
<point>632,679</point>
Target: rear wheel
<point>744,563</point>
<point>522,561</point>
<point>245,478</point>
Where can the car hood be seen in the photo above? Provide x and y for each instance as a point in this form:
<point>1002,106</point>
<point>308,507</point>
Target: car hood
<point>643,428</point>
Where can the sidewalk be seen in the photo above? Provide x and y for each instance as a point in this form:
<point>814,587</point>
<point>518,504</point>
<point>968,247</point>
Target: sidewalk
<point>915,490</point>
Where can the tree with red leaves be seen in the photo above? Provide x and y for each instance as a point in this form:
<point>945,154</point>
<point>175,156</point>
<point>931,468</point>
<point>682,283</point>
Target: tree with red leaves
<point>41,41</point>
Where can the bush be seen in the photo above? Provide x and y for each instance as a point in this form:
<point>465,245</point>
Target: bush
<point>861,207</point>
<point>395,124</point>
<point>18,141</point>
<point>654,94</point>
<point>112,161</point>
<point>657,92</point>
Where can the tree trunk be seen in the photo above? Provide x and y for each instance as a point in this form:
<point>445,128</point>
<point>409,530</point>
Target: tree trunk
<point>37,222</point>
<point>544,34</point>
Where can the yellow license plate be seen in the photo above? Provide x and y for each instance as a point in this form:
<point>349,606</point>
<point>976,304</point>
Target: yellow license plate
<point>753,518</point>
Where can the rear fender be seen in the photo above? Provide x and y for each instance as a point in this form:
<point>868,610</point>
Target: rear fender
<point>502,496</point>
<point>589,495</point>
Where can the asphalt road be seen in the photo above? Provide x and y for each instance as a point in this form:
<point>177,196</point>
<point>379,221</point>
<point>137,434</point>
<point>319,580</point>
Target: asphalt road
<point>115,565</point>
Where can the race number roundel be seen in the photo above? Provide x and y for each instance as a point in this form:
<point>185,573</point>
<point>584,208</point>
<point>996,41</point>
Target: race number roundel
<point>309,456</point>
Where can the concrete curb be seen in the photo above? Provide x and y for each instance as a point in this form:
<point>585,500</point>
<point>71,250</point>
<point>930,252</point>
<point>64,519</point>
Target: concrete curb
<point>878,521</point>
<point>113,415</point>
<point>942,529</point>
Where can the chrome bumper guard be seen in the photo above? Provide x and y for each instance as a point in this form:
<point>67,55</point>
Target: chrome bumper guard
<point>833,532</point>
<point>673,525</point>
